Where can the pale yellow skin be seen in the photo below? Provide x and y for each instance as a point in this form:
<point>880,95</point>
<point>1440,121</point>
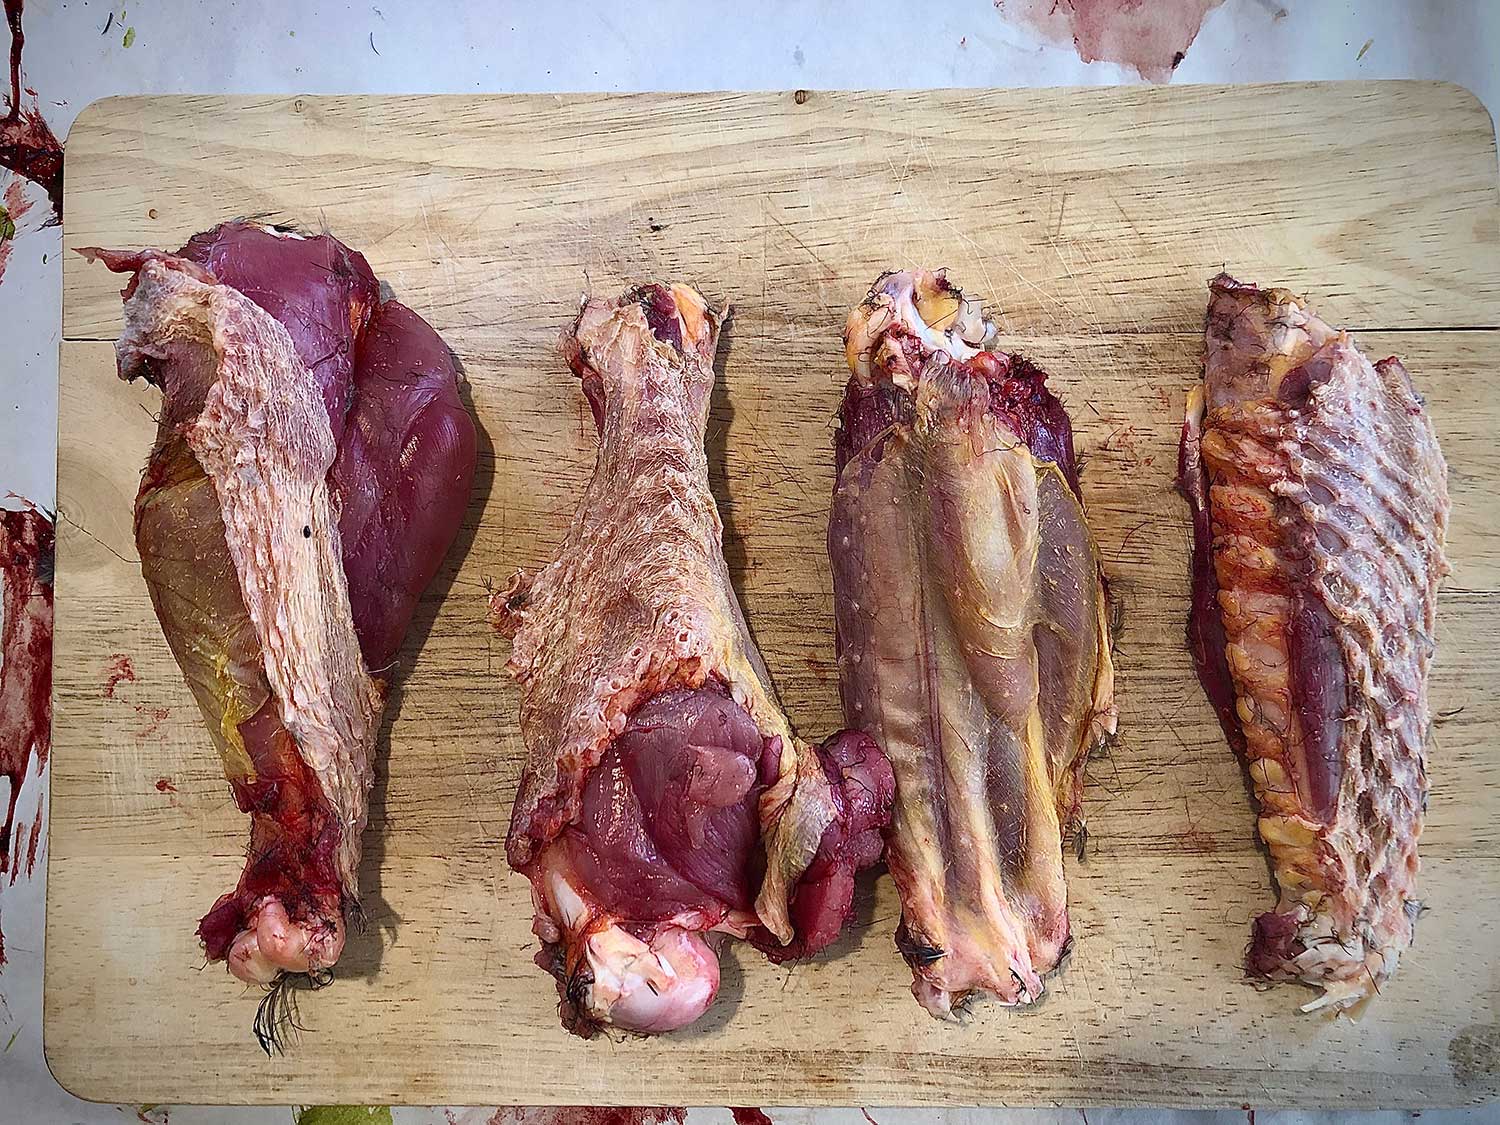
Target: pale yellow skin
<point>973,647</point>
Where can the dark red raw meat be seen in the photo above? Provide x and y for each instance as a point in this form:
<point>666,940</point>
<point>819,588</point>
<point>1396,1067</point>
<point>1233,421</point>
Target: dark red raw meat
<point>312,465</point>
<point>665,799</point>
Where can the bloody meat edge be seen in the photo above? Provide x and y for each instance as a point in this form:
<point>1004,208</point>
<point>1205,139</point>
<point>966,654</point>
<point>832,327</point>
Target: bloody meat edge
<point>666,802</point>
<point>311,465</point>
<point>1320,504</point>
<point>972,635</point>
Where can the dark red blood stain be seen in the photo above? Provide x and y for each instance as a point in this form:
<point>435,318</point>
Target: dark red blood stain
<point>744,1116</point>
<point>25,653</point>
<point>293,836</point>
<point>1149,36</point>
<point>589,1115</point>
<point>16,204</point>
<point>119,670</point>
<point>660,307</point>
<point>27,144</point>
<point>25,665</point>
<point>154,717</point>
<point>31,845</point>
<point>1019,394</point>
<point>164,785</point>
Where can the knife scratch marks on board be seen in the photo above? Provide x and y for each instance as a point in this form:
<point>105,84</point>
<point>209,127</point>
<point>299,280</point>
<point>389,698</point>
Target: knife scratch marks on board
<point>993,294</point>
<point>1087,292</point>
<point>1093,293</point>
<point>1021,277</point>
<point>1055,233</point>
<point>446,258</point>
<point>790,233</point>
<point>1129,222</point>
<point>929,219</point>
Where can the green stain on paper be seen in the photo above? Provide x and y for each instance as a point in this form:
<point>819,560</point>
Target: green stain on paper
<point>11,1042</point>
<point>7,225</point>
<point>344,1115</point>
<point>129,36</point>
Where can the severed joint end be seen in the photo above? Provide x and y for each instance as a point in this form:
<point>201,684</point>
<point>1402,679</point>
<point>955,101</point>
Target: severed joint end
<point>653,987</point>
<point>658,979</point>
<point>273,943</point>
<point>1301,944</point>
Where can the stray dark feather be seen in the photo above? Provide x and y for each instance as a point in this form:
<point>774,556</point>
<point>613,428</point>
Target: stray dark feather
<point>276,1017</point>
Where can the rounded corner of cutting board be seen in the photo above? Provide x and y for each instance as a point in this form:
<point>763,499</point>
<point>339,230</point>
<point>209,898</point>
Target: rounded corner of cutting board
<point>70,1068</point>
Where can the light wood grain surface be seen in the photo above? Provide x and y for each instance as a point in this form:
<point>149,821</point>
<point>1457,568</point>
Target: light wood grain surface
<point>1089,221</point>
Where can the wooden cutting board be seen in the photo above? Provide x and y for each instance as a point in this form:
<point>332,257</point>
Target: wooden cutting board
<point>1089,220</point>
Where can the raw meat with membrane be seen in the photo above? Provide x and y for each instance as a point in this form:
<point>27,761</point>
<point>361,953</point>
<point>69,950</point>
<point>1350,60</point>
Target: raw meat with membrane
<point>666,802</point>
<point>972,632</point>
<point>1320,505</point>
<point>311,466</point>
